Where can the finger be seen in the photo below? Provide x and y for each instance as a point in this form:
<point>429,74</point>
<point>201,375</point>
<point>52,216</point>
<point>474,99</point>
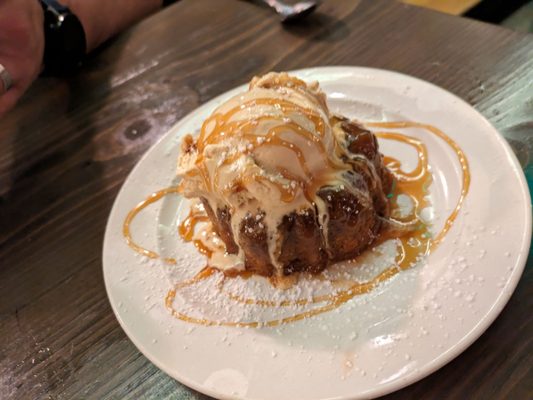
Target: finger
<point>22,78</point>
<point>9,99</point>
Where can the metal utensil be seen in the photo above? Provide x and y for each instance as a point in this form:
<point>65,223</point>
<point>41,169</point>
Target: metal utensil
<point>291,12</point>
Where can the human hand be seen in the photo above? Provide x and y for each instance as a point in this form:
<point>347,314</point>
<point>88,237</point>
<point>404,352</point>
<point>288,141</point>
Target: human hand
<point>21,46</point>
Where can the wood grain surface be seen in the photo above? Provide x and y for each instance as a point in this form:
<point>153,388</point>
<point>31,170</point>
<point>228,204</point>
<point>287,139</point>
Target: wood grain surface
<point>68,146</point>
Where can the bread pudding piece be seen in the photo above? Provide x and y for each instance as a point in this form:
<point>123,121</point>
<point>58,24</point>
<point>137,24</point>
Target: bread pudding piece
<point>288,186</point>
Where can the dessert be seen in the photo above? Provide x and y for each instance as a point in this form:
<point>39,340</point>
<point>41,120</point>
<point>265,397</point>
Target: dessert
<point>287,185</point>
<point>279,185</point>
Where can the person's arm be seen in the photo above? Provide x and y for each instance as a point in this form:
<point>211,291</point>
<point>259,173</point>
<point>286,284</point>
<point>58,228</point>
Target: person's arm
<point>21,46</point>
<point>22,34</point>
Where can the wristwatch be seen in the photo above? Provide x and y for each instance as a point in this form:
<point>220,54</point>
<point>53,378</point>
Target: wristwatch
<point>65,45</point>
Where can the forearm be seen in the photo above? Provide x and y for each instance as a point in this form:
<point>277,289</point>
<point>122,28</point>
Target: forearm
<point>22,35</point>
<point>102,19</point>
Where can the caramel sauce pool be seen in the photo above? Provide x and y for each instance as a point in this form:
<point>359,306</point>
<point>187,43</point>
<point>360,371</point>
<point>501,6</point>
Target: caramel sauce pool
<point>412,246</point>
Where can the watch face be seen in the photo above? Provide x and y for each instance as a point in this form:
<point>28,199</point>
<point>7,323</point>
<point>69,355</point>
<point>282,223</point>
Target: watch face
<point>73,36</point>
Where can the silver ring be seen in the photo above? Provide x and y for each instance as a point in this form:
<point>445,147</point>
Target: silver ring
<point>5,77</point>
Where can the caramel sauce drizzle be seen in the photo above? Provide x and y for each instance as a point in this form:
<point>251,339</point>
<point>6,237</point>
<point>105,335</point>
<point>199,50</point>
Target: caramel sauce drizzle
<point>463,161</point>
<point>338,301</point>
<point>412,246</point>
<point>395,166</point>
<point>224,127</point>
<point>187,228</point>
<point>126,227</point>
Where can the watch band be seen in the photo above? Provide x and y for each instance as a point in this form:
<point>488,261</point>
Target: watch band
<point>55,6</point>
<point>65,43</point>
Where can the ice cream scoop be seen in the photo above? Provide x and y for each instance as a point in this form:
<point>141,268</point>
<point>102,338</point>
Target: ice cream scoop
<point>268,145</point>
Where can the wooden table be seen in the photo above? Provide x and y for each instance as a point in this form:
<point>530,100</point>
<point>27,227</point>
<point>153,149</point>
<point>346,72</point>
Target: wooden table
<point>67,148</point>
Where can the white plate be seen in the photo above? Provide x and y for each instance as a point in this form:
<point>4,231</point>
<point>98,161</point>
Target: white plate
<point>376,343</point>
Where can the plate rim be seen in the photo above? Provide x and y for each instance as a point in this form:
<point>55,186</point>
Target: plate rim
<point>427,369</point>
